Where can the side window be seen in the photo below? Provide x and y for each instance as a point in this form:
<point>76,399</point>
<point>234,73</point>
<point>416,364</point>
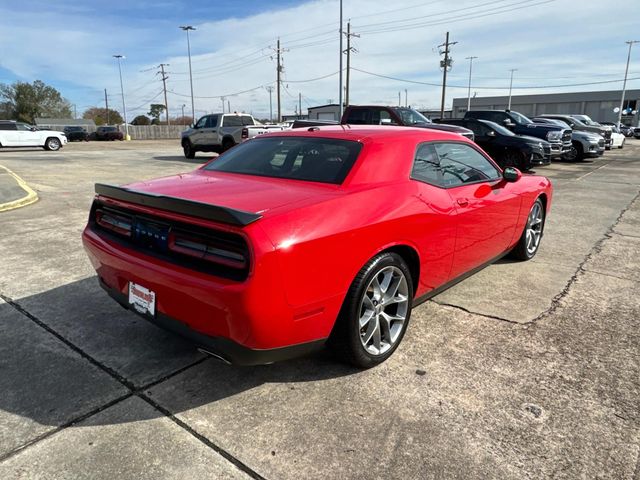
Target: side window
<point>426,166</point>
<point>231,121</point>
<point>378,115</point>
<point>212,121</point>
<point>498,117</point>
<point>23,126</point>
<point>247,120</point>
<point>478,128</point>
<point>8,126</point>
<point>461,164</point>
<point>358,116</point>
<point>202,122</point>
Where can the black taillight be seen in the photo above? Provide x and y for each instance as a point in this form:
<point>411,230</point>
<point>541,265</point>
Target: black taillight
<point>115,222</point>
<point>207,248</point>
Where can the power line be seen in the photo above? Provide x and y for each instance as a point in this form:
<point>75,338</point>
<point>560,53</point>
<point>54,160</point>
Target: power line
<point>502,87</point>
<point>460,18</point>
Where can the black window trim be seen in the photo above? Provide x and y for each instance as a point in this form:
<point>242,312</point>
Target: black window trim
<point>491,180</point>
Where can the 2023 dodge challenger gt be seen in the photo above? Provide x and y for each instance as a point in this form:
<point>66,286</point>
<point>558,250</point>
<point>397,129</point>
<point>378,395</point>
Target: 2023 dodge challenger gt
<point>300,238</point>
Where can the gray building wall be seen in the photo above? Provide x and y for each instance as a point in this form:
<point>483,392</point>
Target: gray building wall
<point>325,112</point>
<point>598,105</point>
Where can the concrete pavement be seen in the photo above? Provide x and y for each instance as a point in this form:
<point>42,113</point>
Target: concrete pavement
<point>525,370</point>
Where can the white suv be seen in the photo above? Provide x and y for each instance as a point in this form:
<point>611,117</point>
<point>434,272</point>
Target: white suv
<point>18,134</point>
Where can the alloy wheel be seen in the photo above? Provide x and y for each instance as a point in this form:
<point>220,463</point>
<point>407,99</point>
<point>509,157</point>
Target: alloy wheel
<point>383,310</point>
<point>534,228</point>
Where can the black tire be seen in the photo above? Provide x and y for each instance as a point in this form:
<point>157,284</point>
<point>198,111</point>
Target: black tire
<point>52,144</point>
<point>522,250</point>
<point>571,155</point>
<point>579,151</point>
<point>345,339</point>
<point>227,143</point>
<point>188,149</point>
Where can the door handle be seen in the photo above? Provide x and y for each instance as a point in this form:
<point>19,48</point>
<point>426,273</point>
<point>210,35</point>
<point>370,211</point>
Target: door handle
<point>463,202</point>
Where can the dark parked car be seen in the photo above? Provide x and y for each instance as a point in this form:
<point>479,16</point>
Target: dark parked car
<point>402,116</point>
<point>504,146</point>
<point>558,137</point>
<point>76,134</point>
<point>108,133</point>
<point>636,132</point>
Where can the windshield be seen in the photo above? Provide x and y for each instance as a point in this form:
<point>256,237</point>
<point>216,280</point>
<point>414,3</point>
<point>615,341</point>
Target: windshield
<point>521,119</point>
<point>498,128</point>
<point>313,159</point>
<point>410,116</point>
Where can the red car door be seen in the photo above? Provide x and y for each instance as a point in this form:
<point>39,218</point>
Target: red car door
<point>486,206</point>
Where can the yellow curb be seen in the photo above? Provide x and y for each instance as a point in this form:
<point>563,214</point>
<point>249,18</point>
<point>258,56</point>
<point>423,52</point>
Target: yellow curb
<point>28,199</point>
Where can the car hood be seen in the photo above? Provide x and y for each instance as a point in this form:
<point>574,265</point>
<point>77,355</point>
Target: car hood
<point>534,140</point>
<point>241,192</point>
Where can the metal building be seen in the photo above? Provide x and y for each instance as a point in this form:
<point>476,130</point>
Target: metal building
<point>600,106</point>
<point>325,112</point>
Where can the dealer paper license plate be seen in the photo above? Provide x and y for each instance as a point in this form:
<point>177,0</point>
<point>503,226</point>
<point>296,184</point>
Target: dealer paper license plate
<point>142,299</point>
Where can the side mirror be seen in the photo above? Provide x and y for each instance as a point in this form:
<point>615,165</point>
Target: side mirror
<point>508,123</point>
<point>511,174</point>
<point>33,129</point>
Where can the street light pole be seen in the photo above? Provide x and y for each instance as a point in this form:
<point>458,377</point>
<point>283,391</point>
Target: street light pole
<point>124,107</point>
<point>511,86</point>
<point>183,105</point>
<point>469,89</point>
<point>624,85</point>
<point>187,28</point>
<point>340,76</point>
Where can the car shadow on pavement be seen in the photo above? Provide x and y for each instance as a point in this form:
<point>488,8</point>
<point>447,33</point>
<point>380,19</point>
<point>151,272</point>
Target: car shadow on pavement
<point>71,349</point>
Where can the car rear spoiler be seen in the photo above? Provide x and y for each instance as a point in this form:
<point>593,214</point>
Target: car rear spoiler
<point>206,211</point>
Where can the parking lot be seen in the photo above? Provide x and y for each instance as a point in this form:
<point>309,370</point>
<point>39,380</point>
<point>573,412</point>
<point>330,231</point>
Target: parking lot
<point>524,370</point>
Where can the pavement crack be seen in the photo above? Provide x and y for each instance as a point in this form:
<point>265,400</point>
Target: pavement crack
<point>59,428</point>
<point>222,452</point>
<point>491,317</point>
<point>597,248</point>
<point>133,390</point>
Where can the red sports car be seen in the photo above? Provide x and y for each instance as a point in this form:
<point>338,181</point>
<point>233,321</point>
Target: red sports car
<point>323,235</point>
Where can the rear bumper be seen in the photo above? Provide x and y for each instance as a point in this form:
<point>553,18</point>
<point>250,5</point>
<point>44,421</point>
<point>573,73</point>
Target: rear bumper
<point>244,322</point>
<point>220,347</point>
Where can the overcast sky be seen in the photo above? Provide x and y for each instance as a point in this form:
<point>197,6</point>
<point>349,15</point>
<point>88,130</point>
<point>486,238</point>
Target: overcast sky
<point>550,43</point>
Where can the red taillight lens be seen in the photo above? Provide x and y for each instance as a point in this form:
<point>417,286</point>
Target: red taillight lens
<point>116,223</point>
<point>245,133</point>
<point>206,249</point>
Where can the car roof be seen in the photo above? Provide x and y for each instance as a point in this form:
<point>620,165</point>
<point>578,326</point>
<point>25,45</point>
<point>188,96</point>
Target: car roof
<point>367,133</point>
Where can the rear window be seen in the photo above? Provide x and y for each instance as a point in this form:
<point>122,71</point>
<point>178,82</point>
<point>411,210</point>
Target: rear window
<point>322,160</point>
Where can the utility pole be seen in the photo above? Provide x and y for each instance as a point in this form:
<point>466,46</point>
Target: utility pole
<point>299,104</point>
<point>469,89</point>
<point>399,99</point>
<point>229,106</point>
<point>124,106</point>
<point>183,105</point>
<point>75,112</point>
<point>624,85</point>
<point>510,87</point>
<point>164,86</point>
<point>445,64</point>
<point>106,106</point>
<point>188,28</point>
<point>222,99</point>
<point>279,70</point>
<point>406,98</point>
<point>340,76</point>
<point>348,52</point>
<point>270,90</point>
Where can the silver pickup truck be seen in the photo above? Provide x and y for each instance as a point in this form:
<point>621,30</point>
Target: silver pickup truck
<point>215,133</point>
